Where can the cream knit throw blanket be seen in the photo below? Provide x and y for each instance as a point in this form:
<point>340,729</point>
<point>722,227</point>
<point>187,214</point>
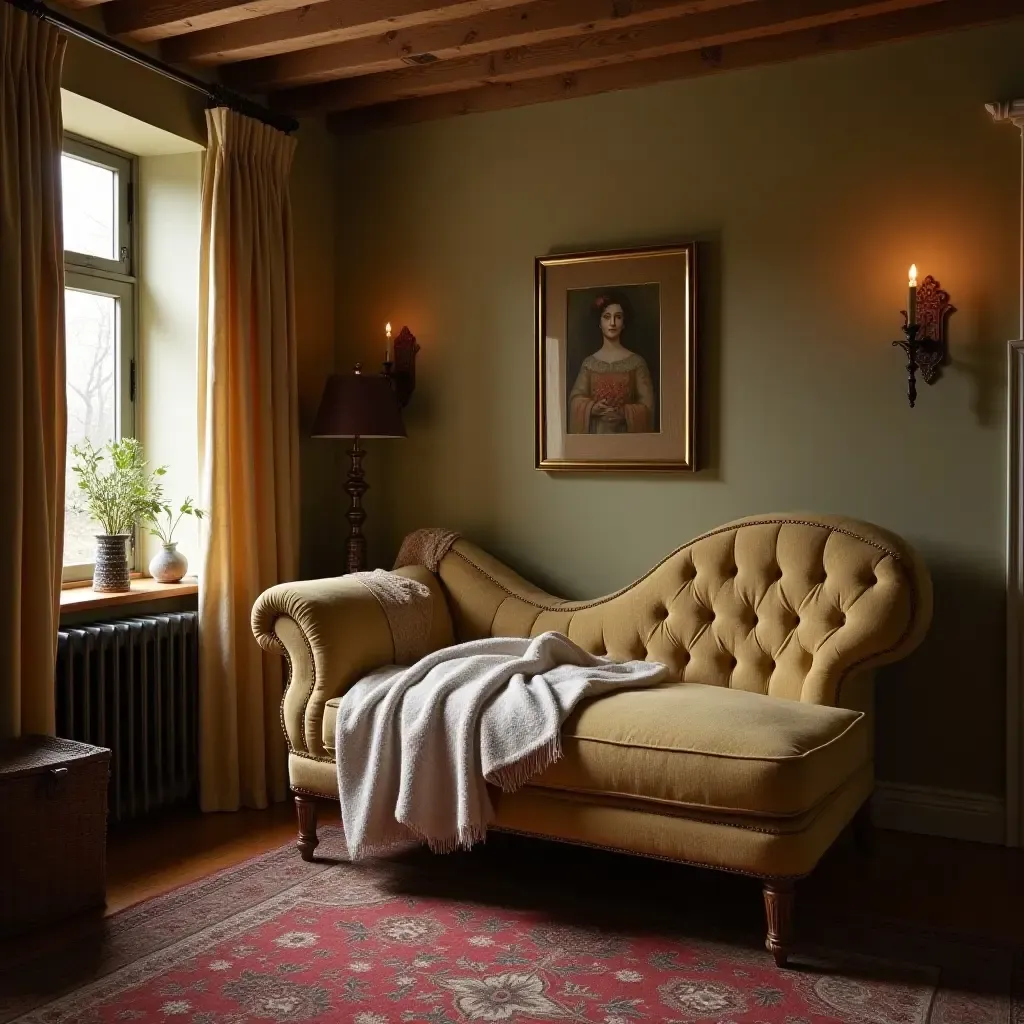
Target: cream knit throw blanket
<point>416,746</point>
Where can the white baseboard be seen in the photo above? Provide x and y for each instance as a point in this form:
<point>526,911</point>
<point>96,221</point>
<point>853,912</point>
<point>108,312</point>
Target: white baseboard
<point>939,812</point>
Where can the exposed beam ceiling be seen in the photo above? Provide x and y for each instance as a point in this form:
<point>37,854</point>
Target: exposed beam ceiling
<point>379,62</point>
<point>332,21</point>
<point>600,49</point>
<point>944,16</point>
<point>149,20</point>
<point>526,23</point>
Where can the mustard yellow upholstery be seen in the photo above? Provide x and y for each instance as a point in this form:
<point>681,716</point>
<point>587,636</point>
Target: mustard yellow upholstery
<point>753,759</point>
<point>332,631</point>
<point>702,747</point>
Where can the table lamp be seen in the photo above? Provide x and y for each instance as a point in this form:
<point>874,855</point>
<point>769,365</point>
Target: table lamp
<point>358,405</point>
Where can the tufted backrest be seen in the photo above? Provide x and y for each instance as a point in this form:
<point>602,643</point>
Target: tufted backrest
<point>788,605</point>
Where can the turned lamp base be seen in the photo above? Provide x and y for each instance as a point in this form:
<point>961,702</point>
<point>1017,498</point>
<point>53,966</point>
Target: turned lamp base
<point>358,405</point>
<point>356,486</point>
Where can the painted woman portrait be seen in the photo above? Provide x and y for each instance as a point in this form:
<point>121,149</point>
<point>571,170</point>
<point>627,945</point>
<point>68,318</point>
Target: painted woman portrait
<point>614,392</point>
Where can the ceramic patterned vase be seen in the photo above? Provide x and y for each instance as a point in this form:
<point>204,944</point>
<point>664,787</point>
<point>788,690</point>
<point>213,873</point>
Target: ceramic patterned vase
<point>169,564</point>
<point>110,571</point>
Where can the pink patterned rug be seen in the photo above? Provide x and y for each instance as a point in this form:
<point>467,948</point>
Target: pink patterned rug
<point>496,935</point>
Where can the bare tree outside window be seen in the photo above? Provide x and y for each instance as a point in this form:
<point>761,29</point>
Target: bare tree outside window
<point>90,325</point>
<point>99,302</point>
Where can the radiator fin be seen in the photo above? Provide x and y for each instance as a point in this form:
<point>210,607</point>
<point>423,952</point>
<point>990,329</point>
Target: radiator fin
<point>132,686</point>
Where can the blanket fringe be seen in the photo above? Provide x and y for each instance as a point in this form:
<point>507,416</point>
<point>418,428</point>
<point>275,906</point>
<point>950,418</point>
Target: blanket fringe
<point>514,776</point>
<point>465,839</point>
<point>397,840</point>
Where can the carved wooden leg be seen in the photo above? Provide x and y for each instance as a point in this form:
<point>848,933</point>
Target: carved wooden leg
<point>305,807</point>
<point>864,831</point>
<point>779,900</point>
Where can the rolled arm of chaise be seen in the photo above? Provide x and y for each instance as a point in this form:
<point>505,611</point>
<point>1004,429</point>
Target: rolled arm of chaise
<point>332,632</point>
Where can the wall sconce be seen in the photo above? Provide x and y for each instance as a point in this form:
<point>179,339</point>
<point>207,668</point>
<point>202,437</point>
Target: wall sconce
<point>924,324</point>
<point>400,363</point>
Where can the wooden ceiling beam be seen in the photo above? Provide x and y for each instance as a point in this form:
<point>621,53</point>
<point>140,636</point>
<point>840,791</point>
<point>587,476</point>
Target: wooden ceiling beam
<point>147,21</point>
<point>618,46</point>
<point>946,16</point>
<point>329,21</point>
<point>496,30</point>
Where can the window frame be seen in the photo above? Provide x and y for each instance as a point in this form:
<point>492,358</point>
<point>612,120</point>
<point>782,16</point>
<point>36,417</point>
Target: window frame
<point>115,278</point>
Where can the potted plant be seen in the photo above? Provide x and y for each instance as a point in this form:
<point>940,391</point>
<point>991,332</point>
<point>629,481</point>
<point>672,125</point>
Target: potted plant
<point>169,564</point>
<point>116,497</point>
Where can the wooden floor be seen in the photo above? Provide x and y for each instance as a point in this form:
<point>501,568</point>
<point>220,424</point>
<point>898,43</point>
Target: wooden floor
<point>917,881</point>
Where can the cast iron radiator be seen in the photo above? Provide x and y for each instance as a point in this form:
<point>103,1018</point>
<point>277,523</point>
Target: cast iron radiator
<point>132,686</point>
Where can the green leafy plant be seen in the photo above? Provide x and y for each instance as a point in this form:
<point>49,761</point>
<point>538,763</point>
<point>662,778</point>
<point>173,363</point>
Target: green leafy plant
<point>163,523</point>
<point>117,490</point>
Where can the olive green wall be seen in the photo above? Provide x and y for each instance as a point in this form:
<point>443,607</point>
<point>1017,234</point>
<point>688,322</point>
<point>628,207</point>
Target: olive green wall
<point>811,187</point>
<point>117,83</point>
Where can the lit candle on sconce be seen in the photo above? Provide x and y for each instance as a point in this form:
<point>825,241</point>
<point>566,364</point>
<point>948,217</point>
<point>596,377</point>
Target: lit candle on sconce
<point>400,362</point>
<point>924,331</point>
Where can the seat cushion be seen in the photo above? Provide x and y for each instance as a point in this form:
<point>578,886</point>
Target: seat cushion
<point>697,746</point>
<point>707,747</point>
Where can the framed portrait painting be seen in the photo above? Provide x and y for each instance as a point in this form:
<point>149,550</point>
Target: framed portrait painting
<point>616,360</point>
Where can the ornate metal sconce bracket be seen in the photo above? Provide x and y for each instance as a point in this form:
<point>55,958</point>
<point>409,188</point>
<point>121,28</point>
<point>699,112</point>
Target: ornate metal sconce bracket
<point>925,339</point>
<point>401,370</point>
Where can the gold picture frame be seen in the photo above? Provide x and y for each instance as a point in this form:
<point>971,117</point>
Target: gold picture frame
<point>616,360</point>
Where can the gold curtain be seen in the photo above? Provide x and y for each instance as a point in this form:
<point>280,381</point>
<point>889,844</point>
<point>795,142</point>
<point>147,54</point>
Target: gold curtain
<point>248,453</point>
<point>33,404</point>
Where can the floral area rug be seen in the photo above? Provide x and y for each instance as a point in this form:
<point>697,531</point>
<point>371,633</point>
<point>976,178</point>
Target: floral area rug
<point>519,933</point>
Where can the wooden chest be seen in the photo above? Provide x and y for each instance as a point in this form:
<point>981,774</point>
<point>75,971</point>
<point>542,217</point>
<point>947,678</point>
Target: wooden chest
<point>53,837</point>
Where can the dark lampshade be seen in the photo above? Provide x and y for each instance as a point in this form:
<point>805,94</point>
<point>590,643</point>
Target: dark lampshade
<point>358,405</point>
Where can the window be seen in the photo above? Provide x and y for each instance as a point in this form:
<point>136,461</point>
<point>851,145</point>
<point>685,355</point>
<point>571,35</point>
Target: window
<point>99,314</point>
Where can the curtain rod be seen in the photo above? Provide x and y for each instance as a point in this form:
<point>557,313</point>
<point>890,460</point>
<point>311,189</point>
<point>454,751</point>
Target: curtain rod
<point>217,95</point>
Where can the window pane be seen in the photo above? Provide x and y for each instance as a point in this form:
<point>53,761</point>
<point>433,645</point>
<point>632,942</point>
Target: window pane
<point>90,204</point>
<point>93,324</point>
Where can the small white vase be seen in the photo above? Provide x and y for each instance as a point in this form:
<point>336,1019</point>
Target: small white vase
<point>168,564</point>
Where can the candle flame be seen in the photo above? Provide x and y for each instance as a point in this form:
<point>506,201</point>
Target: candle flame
<point>387,330</point>
<point>913,275</point>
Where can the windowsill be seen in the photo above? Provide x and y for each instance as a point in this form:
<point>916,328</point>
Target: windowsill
<point>144,590</point>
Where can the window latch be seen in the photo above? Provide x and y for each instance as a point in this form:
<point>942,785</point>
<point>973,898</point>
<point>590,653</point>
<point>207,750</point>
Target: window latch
<point>124,254</point>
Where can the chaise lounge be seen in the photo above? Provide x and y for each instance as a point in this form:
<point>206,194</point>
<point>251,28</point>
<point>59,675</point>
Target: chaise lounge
<point>753,760</point>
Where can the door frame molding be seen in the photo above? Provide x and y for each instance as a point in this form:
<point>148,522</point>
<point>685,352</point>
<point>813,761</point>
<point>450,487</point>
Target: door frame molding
<point>1015,597</point>
<point>1012,112</point>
